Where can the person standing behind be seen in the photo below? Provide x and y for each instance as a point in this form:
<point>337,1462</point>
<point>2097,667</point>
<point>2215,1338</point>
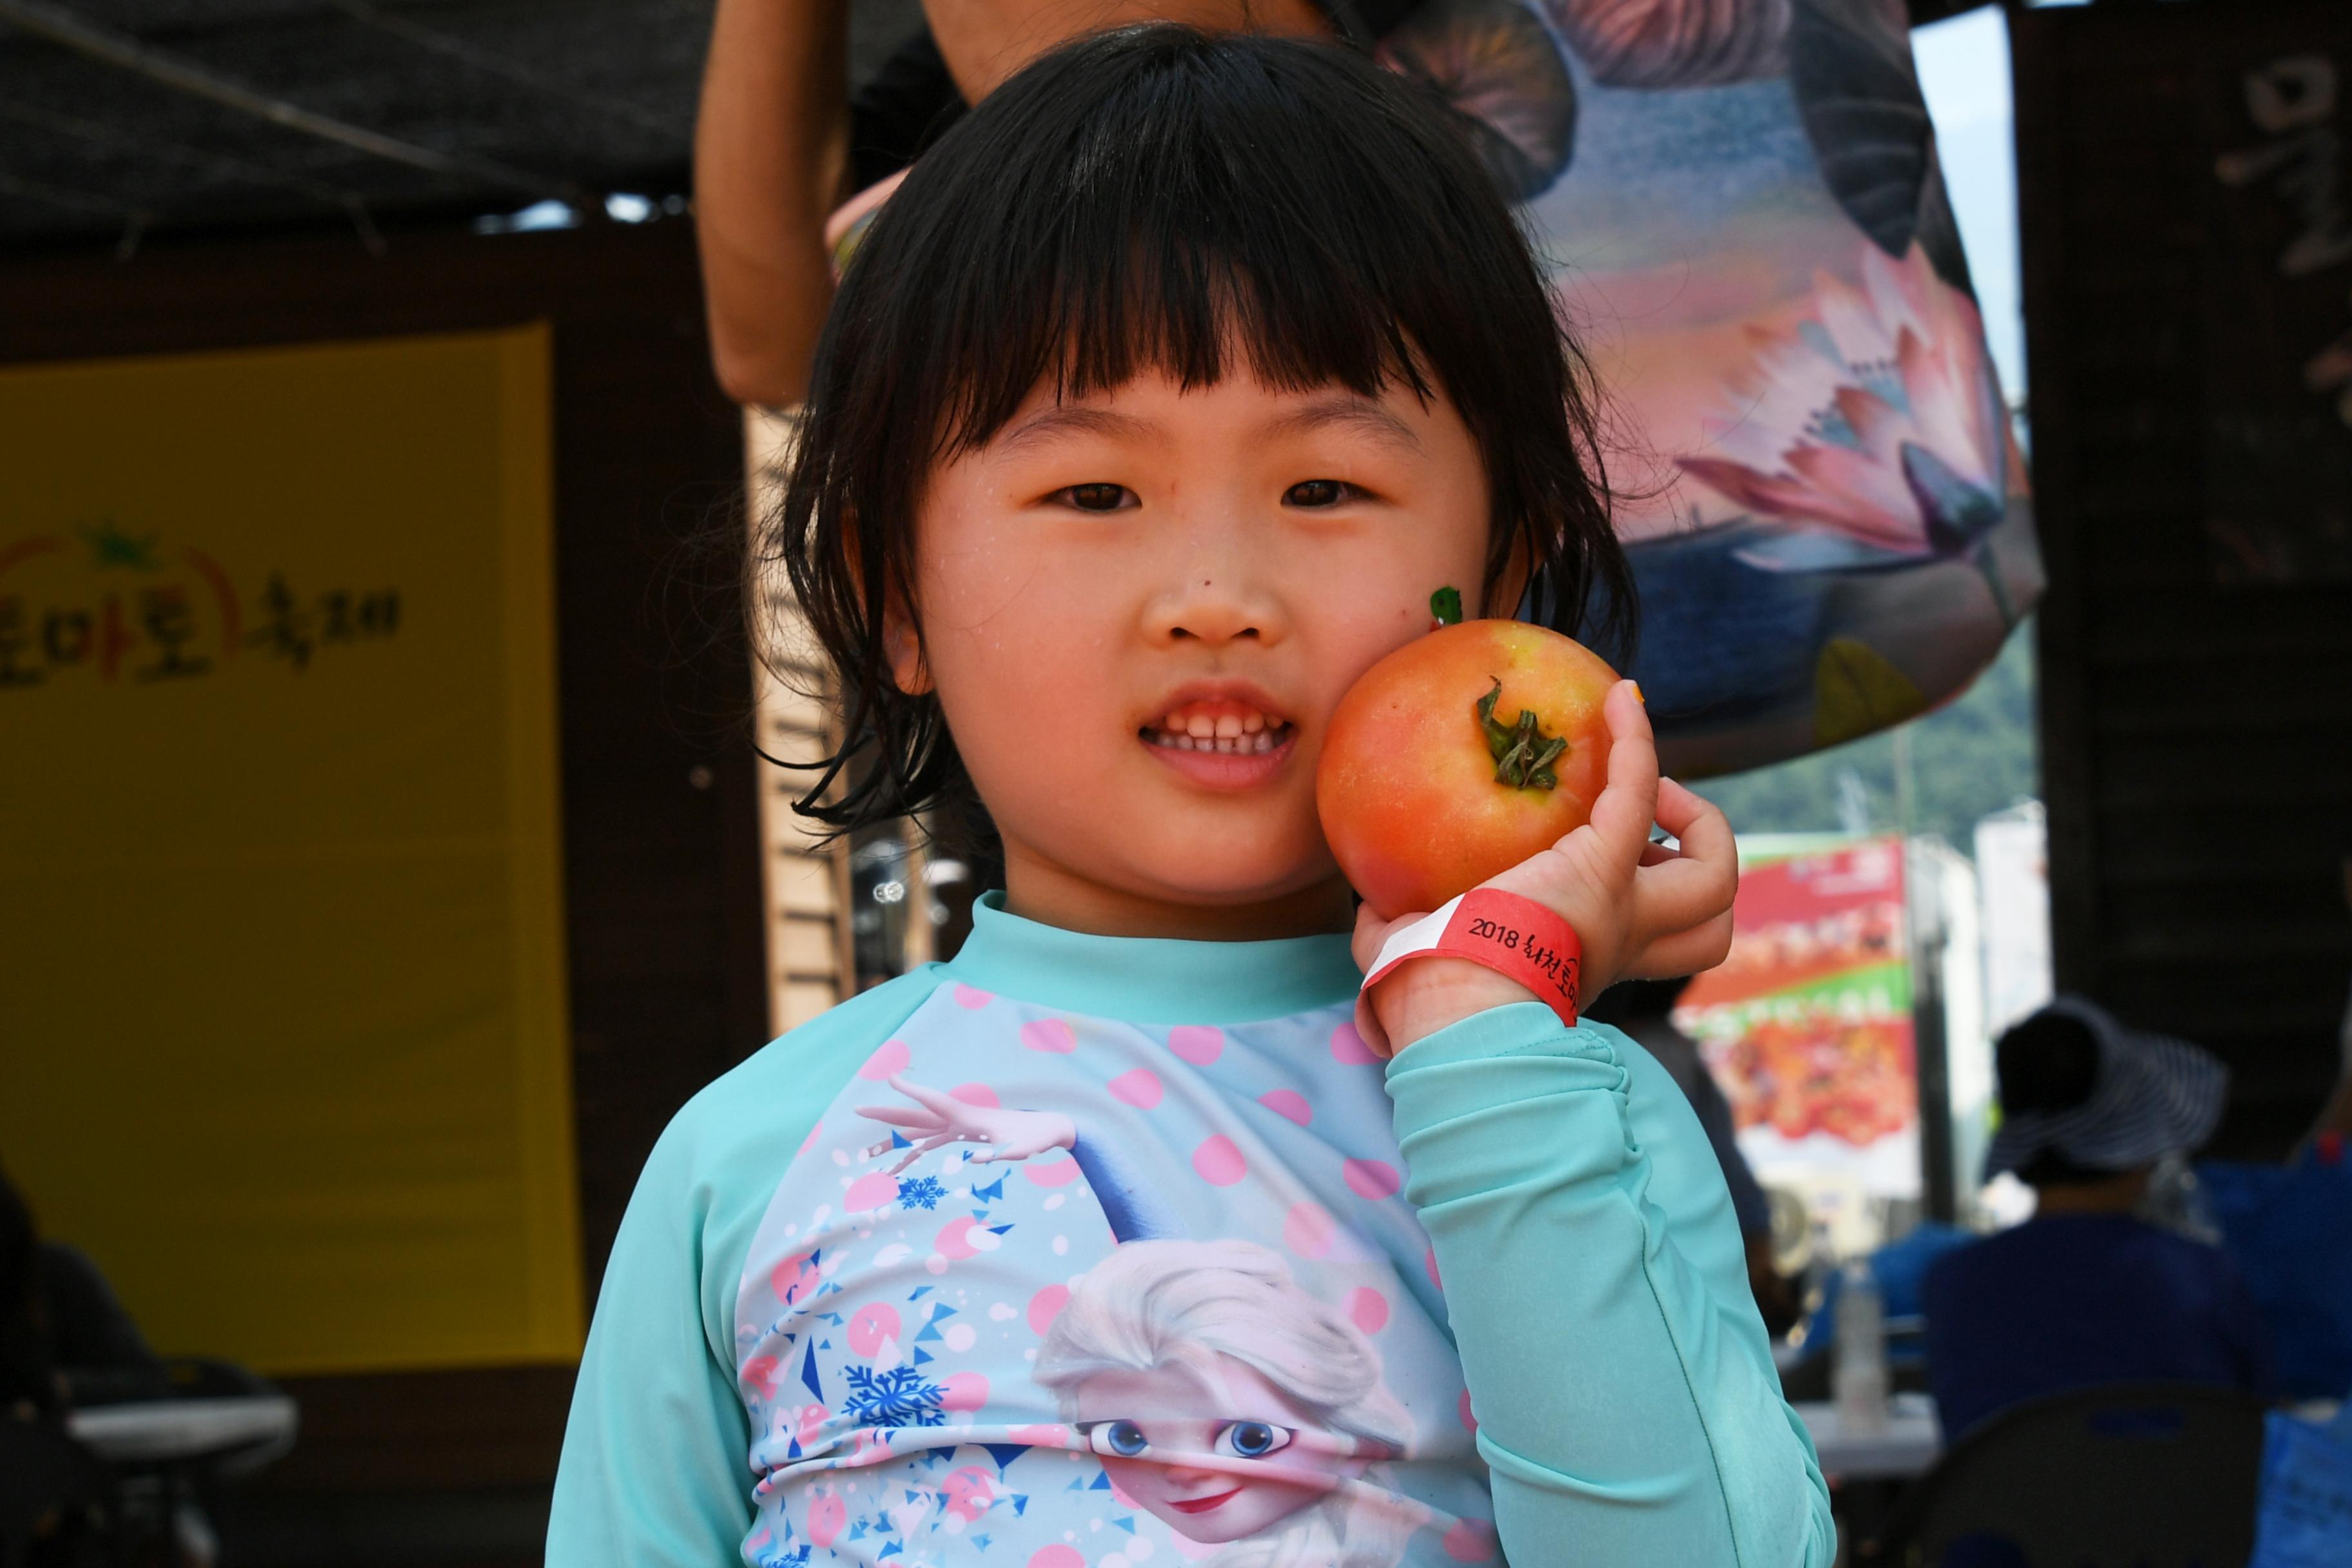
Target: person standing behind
<point>779,145</point>
<point>2087,1292</point>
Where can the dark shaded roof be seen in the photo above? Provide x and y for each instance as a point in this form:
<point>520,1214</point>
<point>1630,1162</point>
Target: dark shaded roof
<point>466,106</point>
<point>505,102</point>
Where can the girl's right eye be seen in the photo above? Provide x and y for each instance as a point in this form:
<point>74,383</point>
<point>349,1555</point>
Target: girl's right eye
<point>1121,1439</point>
<point>1097,498</point>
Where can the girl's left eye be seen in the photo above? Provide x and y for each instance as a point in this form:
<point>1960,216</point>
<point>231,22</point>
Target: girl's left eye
<point>1318,493</point>
<point>1096,497</point>
<point>1253,1439</point>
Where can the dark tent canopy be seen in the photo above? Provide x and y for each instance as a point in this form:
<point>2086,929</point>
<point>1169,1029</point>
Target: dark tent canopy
<point>121,117</point>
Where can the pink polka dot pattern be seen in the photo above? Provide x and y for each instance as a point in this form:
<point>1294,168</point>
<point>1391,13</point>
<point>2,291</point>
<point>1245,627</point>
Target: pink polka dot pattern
<point>1367,1309</point>
<point>1049,1035</point>
<point>827,1516</point>
<point>963,1391</point>
<point>1139,1087</point>
<point>1470,1540</point>
<point>875,1324</point>
<point>969,1492</point>
<point>1044,1307</point>
<point>1053,1435</point>
<point>759,1376</point>
<point>809,1142</point>
<point>1348,1046</point>
<point>966,996</point>
<point>1373,1179</point>
<point>954,1239</point>
<point>1462,1409</point>
<point>1219,1162</point>
<point>1058,1556</point>
<point>1307,1231</point>
<point>975,1094</point>
<point>793,1277</point>
<point>1051,1172</point>
<point>1199,1044</point>
<point>1429,1266</point>
<point>870,1191</point>
<point>1287,1102</point>
<point>890,1057</point>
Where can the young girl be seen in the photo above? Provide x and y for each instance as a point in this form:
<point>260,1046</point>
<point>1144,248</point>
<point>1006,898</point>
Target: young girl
<point>1154,406</point>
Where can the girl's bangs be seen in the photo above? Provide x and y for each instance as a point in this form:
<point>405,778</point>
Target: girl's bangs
<point>1118,270</point>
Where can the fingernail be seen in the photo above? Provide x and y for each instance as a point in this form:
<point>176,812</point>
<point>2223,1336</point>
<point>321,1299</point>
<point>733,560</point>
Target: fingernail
<point>1637,693</point>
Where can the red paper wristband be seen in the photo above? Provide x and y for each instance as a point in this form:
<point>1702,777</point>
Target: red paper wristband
<point>1515,937</point>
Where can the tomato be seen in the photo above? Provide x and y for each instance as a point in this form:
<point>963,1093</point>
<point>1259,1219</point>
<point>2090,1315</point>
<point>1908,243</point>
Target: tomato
<point>1407,784</point>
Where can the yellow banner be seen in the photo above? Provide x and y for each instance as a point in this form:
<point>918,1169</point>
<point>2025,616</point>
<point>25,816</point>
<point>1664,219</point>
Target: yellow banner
<point>282,1029</point>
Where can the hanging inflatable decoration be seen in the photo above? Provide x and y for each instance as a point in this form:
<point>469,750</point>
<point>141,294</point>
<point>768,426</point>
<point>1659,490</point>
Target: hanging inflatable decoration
<point>1740,206</point>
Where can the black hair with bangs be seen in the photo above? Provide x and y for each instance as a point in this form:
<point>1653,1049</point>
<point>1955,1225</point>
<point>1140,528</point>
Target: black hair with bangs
<point>1158,197</point>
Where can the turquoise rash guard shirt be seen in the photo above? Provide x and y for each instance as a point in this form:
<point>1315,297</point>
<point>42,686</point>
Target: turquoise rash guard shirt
<point>1090,1252</point>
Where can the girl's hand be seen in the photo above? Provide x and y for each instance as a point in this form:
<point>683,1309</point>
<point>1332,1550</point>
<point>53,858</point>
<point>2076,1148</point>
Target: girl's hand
<point>1638,909</point>
<point>936,1118</point>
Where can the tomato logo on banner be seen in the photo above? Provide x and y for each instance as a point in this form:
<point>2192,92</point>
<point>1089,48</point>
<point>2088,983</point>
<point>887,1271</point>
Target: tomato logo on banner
<point>110,605</point>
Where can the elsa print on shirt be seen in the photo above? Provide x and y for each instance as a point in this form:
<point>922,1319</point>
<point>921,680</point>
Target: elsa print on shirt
<point>1221,1396</point>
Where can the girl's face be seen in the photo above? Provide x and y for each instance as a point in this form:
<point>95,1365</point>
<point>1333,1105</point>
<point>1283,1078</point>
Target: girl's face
<point>1152,1429</point>
<point>1138,609</point>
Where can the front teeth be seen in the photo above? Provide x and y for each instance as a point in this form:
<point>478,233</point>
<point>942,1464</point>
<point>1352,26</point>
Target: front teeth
<point>1245,744</point>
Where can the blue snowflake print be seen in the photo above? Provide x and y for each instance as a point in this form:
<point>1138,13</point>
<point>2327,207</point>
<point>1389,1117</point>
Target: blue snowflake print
<point>921,1192</point>
<point>894,1397</point>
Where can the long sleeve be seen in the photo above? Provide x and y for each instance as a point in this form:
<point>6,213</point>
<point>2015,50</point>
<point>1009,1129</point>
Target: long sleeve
<point>654,1470</point>
<point>1623,1388</point>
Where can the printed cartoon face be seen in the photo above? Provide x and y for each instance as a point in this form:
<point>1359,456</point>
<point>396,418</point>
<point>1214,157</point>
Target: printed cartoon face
<point>1214,1450</point>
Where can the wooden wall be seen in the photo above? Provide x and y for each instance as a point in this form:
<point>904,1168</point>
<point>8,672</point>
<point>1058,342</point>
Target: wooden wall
<point>2196,720</point>
<point>661,858</point>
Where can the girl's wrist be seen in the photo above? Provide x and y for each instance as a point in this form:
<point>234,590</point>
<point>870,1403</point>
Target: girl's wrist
<point>1436,993</point>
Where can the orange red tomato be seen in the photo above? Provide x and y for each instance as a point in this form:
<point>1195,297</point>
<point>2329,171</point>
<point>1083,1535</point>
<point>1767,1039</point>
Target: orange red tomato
<point>1458,756</point>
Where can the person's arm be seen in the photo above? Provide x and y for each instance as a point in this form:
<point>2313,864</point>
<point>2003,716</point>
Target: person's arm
<point>1629,1413</point>
<point>1625,1395</point>
<point>771,161</point>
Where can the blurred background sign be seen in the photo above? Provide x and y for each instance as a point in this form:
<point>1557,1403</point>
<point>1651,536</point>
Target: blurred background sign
<point>1808,1026</point>
<point>280,918</point>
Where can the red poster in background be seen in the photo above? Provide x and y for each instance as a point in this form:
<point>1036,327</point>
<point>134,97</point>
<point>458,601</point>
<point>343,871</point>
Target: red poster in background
<point>1807,1025</point>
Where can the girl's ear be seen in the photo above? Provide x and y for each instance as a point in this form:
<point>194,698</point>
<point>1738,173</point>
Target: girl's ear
<point>902,643</point>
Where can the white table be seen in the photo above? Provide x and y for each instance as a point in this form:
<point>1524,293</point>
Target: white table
<point>1908,1445</point>
<point>165,1431</point>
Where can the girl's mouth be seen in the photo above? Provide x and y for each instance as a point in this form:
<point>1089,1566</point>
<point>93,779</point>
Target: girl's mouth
<point>1203,1504</point>
<point>1226,727</point>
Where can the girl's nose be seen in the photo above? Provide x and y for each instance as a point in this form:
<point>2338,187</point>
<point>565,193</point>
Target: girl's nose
<point>1206,613</point>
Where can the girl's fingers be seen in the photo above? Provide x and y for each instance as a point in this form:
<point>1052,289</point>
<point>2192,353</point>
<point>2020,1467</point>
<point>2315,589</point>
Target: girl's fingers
<point>1698,823</point>
<point>1370,932</point>
<point>1681,953</point>
<point>1696,882</point>
<point>1629,804</point>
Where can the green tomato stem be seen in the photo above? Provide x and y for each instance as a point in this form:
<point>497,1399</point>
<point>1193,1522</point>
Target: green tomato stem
<point>1523,754</point>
